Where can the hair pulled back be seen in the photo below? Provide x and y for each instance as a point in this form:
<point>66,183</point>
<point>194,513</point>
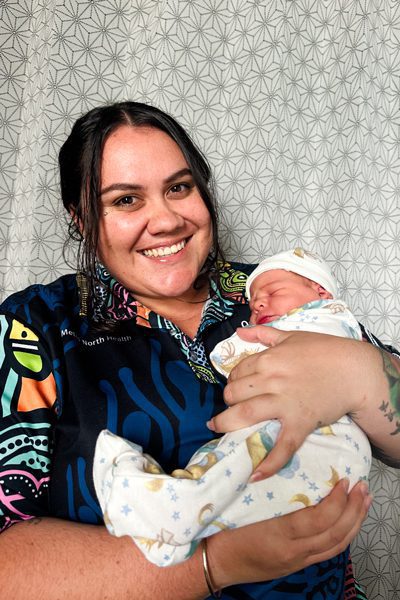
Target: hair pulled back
<point>80,173</point>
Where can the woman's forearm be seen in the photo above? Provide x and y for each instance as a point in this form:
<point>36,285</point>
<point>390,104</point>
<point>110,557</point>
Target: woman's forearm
<point>50,559</point>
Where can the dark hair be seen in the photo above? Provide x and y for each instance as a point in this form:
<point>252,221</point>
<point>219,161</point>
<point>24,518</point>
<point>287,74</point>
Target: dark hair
<point>80,163</point>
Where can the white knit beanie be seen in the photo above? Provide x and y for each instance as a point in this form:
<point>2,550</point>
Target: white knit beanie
<point>297,261</point>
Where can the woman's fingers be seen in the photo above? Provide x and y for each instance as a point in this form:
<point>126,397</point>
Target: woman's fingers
<point>337,512</point>
<point>285,447</point>
<point>256,363</point>
<point>242,414</point>
<point>316,520</point>
<point>293,432</point>
<point>341,533</point>
<point>325,530</point>
<point>269,336</point>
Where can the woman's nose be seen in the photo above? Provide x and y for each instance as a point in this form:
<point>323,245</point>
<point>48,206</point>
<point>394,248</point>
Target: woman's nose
<point>163,218</point>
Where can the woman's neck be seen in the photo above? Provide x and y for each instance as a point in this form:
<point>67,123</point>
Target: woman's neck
<point>185,313</point>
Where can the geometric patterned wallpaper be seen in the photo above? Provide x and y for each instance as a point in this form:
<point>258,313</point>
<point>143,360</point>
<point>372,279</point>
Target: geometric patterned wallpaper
<point>296,104</point>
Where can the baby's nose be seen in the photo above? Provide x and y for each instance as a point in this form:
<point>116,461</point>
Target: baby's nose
<point>259,302</point>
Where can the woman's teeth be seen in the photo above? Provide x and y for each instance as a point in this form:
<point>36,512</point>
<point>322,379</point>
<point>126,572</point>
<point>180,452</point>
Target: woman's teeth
<point>166,250</point>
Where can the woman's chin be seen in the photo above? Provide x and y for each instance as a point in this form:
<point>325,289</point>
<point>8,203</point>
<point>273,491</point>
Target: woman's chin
<point>169,289</point>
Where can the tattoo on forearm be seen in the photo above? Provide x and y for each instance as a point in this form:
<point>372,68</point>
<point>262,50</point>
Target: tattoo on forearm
<point>391,409</point>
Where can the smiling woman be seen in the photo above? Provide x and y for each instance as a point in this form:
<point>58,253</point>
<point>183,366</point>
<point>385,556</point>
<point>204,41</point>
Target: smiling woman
<point>153,221</point>
<point>129,352</point>
<point>102,173</point>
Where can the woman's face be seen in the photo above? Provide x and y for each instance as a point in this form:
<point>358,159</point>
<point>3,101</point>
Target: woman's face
<point>154,231</point>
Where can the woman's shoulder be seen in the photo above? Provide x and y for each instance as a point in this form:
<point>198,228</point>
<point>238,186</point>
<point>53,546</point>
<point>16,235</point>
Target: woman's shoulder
<point>42,299</point>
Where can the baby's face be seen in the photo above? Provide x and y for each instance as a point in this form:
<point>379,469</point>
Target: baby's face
<point>276,292</point>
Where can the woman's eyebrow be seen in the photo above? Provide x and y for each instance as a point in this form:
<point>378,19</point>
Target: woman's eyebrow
<point>133,186</point>
<point>181,173</point>
<point>120,186</point>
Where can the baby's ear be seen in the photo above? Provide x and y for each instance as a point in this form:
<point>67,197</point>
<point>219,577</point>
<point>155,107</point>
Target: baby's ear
<point>321,291</point>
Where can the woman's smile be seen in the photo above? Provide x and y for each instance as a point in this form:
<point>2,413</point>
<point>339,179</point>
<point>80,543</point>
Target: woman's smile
<point>165,250</point>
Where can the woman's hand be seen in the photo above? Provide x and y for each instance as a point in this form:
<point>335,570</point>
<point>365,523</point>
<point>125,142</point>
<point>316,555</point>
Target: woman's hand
<point>284,545</point>
<point>306,380</point>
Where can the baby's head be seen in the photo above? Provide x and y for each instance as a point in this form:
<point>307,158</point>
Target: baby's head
<point>286,281</point>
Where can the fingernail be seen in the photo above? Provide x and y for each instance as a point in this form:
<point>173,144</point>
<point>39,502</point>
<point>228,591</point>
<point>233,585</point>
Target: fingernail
<point>256,476</point>
<point>345,484</point>
<point>364,488</point>
<point>210,425</point>
<point>368,501</point>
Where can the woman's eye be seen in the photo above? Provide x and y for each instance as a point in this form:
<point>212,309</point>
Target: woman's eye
<point>180,188</point>
<point>126,202</point>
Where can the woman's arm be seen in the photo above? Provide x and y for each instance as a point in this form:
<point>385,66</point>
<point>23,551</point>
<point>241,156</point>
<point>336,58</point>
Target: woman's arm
<point>50,559</point>
<point>307,380</point>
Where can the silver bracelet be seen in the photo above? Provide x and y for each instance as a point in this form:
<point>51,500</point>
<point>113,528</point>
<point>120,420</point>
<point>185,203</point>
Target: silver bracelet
<point>207,574</point>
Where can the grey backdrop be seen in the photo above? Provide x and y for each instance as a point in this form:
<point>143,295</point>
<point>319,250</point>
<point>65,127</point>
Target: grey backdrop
<point>296,105</point>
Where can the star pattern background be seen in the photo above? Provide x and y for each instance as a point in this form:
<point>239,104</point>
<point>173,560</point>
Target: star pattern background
<point>294,102</point>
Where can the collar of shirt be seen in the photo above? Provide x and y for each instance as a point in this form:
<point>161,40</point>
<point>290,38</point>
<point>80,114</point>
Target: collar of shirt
<point>114,302</point>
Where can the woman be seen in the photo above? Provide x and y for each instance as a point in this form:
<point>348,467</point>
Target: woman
<point>131,355</point>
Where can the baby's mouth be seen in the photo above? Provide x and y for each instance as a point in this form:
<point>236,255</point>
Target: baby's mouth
<point>266,319</point>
